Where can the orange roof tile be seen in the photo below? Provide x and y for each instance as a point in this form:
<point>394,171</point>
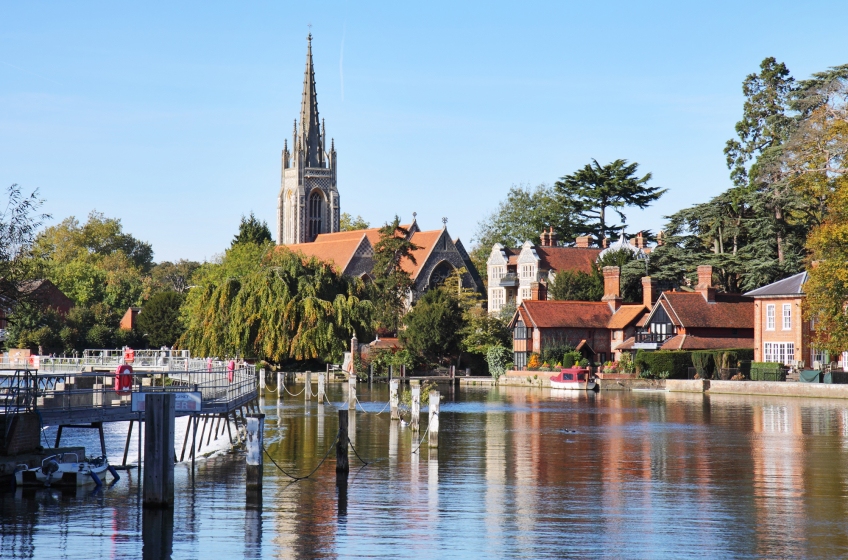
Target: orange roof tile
<point>336,251</point>
<point>564,314</point>
<point>425,240</point>
<point>373,235</point>
<point>729,311</point>
<point>626,315</point>
<point>689,342</point>
<point>568,258</point>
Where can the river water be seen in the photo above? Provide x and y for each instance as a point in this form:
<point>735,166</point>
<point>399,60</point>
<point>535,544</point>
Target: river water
<point>519,472</point>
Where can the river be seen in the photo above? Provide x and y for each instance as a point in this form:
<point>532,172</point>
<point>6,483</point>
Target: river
<point>520,473</point>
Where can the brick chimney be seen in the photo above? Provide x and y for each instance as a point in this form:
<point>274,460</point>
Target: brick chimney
<point>705,283</point>
<point>640,241</point>
<point>553,238</point>
<point>660,236</point>
<point>650,292</point>
<point>582,241</point>
<point>538,291</point>
<point>612,287</point>
<point>543,239</point>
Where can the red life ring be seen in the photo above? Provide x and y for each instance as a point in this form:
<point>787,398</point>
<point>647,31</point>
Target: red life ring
<point>123,379</point>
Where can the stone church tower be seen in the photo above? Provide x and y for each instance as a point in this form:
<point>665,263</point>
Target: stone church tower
<point>309,200</point>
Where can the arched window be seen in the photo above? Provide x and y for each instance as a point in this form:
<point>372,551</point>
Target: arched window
<point>315,204</point>
<point>440,274</point>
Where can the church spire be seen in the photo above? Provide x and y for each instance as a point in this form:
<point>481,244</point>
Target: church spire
<point>310,131</point>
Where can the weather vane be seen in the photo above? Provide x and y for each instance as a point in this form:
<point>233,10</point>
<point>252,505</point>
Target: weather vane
<point>445,221</point>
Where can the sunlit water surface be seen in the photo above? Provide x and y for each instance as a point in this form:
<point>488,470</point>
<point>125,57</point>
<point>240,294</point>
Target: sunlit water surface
<point>519,473</point>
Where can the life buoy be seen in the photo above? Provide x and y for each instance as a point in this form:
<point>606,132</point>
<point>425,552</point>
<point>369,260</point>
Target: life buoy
<point>123,379</point>
<point>231,367</point>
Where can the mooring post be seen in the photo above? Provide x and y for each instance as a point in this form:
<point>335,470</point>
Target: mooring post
<point>254,444</point>
<point>280,385</point>
<point>433,406</point>
<point>351,392</point>
<point>159,450</point>
<point>415,385</point>
<point>262,382</point>
<point>321,386</point>
<point>342,465</point>
<point>391,373</point>
<point>393,398</point>
<point>308,390</point>
<point>403,370</point>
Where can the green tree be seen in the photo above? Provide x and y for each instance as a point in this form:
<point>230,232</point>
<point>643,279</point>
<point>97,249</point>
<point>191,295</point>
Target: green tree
<point>576,285</point>
<point>594,189</point>
<point>523,216</point>
<point>349,223</point>
<point>392,283</point>
<point>160,319</point>
<point>19,220</point>
<point>285,307</point>
<point>172,276</point>
<point>433,328</point>
<point>251,230</point>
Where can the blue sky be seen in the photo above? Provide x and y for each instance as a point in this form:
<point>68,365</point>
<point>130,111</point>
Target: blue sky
<point>172,118</point>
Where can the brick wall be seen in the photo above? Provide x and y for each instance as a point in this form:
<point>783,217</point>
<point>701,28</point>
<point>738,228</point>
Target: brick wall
<point>25,436</point>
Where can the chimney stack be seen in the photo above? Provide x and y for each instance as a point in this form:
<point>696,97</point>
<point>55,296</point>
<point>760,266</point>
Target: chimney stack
<point>605,243</point>
<point>660,238</point>
<point>553,238</point>
<point>538,291</point>
<point>650,292</point>
<point>705,283</point>
<point>612,287</point>
<point>640,241</point>
<point>582,241</point>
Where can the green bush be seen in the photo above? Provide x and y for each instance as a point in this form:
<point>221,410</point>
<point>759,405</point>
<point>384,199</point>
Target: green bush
<point>675,362</point>
<point>553,352</point>
<point>704,362</point>
<point>767,371</point>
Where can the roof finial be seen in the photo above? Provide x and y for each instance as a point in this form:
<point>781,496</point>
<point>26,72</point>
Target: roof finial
<point>309,37</point>
<point>414,215</point>
<point>444,222</point>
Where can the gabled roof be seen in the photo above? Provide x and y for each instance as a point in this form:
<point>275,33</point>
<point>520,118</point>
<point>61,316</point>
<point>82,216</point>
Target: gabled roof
<point>373,235</point>
<point>689,342</point>
<point>426,241</point>
<point>568,258</point>
<point>547,314</point>
<point>626,315</point>
<point>338,251</point>
<point>690,309</point>
<point>792,286</point>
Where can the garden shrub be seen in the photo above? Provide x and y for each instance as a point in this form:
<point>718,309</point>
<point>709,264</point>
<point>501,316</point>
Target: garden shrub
<point>767,371</point>
<point>674,362</point>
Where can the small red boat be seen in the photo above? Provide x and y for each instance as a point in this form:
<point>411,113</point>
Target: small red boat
<point>576,378</point>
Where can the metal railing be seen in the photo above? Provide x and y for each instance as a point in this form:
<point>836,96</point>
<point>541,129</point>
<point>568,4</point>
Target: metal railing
<point>652,337</point>
<point>91,391</point>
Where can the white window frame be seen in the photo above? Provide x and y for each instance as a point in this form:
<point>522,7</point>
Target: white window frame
<point>780,352</point>
<point>787,316</point>
<point>770,317</point>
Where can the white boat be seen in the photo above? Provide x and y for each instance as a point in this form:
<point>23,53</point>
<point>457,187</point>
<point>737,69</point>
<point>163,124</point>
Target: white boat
<point>573,378</point>
<point>65,469</point>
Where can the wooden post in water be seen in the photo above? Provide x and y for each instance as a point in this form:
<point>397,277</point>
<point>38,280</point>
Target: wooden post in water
<point>433,437</point>
<point>342,465</point>
<point>370,374</point>
<point>159,450</point>
<point>321,386</point>
<point>351,392</point>
<point>393,399</point>
<point>254,445</point>
<point>308,390</point>
<point>415,385</point>
<point>280,384</point>
<point>261,382</point>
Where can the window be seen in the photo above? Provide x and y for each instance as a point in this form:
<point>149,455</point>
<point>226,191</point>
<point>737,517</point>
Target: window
<point>315,204</point>
<point>819,356</point>
<point>497,298</point>
<point>780,352</point>
<point>787,316</point>
<point>770,317</point>
<point>526,270</point>
<point>525,293</point>
<point>521,332</point>
<point>519,360</point>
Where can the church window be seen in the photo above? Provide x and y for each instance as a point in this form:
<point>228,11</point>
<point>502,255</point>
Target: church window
<point>315,204</point>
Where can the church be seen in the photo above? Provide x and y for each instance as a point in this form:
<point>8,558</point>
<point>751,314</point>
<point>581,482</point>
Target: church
<point>308,210</point>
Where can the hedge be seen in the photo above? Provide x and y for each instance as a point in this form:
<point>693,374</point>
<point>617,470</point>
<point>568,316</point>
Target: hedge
<point>767,371</point>
<point>708,363</point>
<point>675,362</point>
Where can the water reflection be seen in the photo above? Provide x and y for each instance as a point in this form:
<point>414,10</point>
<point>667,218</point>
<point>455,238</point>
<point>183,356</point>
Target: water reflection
<point>518,473</point>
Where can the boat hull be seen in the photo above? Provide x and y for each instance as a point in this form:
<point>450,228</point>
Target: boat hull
<point>574,385</point>
<point>69,474</point>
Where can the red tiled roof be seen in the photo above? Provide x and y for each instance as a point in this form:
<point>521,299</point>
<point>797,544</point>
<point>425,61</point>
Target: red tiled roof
<point>425,240</point>
<point>689,342</point>
<point>373,235</point>
<point>336,251</point>
<point>564,314</point>
<point>626,315</point>
<point>385,343</point>
<point>729,311</point>
<point>568,258</point>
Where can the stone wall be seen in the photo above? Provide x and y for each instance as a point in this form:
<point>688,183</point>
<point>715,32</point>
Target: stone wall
<point>25,436</point>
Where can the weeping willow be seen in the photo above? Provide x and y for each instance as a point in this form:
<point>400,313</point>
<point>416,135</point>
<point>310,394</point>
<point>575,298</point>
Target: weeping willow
<point>287,308</point>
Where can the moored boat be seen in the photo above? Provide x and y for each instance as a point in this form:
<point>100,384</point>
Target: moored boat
<point>65,469</point>
<point>575,378</point>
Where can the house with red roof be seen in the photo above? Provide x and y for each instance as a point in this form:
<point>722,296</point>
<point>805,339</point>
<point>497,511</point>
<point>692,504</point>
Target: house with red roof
<point>698,320</point>
<point>593,328</point>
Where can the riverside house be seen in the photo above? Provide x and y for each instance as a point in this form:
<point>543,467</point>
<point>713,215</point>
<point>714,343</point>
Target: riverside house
<point>780,332</point>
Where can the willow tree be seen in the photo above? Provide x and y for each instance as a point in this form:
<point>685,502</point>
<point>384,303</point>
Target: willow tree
<point>289,307</point>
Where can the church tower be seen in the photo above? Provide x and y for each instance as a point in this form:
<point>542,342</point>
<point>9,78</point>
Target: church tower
<point>308,203</point>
